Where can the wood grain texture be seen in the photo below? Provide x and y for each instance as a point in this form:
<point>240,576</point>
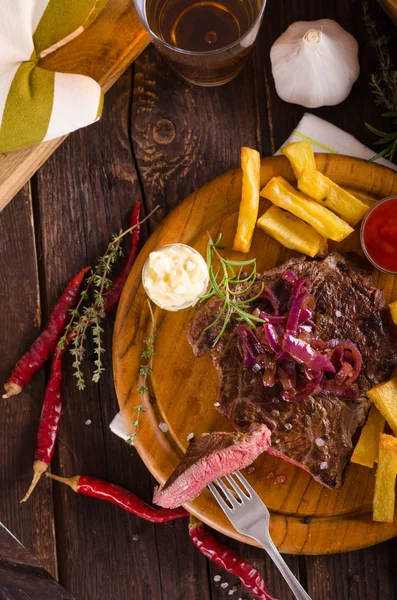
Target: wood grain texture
<point>103,52</point>
<point>340,520</point>
<point>100,161</point>
<point>94,196</point>
<point>32,523</point>
<point>20,575</point>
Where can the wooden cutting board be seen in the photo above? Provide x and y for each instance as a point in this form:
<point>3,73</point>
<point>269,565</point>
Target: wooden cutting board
<point>306,517</point>
<point>102,52</point>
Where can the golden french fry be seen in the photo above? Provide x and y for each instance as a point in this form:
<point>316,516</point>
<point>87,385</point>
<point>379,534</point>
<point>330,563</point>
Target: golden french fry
<point>332,196</point>
<point>393,311</point>
<point>301,157</point>
<point>291,232</point>
<point>281,193</point>
<point>248,214</point>
<point>367,448</point>
<point>385,480</point>
<point>384,396</point>
<point>363,196</point>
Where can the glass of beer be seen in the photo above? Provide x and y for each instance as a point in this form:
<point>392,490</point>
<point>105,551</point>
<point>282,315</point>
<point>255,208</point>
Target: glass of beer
<point>206,41</point>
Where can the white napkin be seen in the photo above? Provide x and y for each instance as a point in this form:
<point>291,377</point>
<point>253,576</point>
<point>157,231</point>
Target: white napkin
<point>324,137</point>
<point>328,138</point>
<point>118,427</point>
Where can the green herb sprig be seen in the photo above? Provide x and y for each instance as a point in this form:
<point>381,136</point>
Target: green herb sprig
<point>90,310</point>
<point>145,370</point>
<point>226,284</point>
<point>384,87</point>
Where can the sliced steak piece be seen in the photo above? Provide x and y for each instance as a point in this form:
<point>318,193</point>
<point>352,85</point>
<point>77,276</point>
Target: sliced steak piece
<point>210,456</point>
<point>315,434</point>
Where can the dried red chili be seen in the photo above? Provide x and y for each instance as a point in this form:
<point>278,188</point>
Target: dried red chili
<point>128,501</point>
<point>42,347</point>
<point>113,295</point>
<point>229,560</point>
<point>49,421</point>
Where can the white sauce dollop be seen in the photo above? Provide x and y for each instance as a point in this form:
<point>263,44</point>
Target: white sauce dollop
<point>175,276</point>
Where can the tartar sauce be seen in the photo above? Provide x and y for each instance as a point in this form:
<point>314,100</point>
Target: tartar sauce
<point>175,276</point>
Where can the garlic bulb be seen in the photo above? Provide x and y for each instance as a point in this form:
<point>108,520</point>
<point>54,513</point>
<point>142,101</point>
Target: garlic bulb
<point>315,63</point>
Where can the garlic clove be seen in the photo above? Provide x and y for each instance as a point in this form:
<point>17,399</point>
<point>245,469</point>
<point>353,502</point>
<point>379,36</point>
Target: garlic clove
<point>315,63</point>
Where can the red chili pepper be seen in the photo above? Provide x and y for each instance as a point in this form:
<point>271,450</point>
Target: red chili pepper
<point>128,501</point>
<point>113,295</point>
<point>49,421</point>
<point>42,347</point>
<point>229,560</point>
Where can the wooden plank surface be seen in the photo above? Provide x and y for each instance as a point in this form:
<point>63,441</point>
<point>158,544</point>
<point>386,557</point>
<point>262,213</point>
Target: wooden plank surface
<point>21,314</point>
<point>82,195</point>
<point>103,52</point>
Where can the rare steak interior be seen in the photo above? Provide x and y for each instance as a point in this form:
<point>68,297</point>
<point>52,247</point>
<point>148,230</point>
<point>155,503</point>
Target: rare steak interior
<point>314,433</point>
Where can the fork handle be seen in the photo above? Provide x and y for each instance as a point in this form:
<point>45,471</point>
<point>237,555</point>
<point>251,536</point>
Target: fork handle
<point>296,588</point>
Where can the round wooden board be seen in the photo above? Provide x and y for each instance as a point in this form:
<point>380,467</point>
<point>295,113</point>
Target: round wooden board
<point>306,517</point>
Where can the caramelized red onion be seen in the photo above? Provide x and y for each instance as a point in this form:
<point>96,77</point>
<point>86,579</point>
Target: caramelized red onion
<point>286,349</point>
<point>303,353</point>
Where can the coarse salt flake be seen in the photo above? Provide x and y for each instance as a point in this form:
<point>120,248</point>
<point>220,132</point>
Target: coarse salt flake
<point>275,413</point>
<point>88,422</point>
<point>323,465</point>
<point>319,442</point>
<point>190,436</point>
<point>216,404</point>
<point>217,577</point>
<point>288,426</point>
<point>338,313</point>
<point>224,585</point>
<point>163,427</point>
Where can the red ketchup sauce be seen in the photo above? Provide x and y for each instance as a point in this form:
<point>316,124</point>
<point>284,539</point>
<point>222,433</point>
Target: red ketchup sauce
<point>379,235</point>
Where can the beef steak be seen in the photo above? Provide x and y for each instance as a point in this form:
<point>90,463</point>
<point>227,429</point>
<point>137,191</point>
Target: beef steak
<point>316,433</point>
<point>210,456</point>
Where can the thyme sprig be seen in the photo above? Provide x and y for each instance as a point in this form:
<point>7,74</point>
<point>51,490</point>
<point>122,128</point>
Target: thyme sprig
<point>230,287</point>
<point>90,310</point>
<point>145,370</point>
<point>384,87</point>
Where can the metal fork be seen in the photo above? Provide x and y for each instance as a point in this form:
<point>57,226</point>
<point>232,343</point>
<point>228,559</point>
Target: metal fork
<point>250,516</point>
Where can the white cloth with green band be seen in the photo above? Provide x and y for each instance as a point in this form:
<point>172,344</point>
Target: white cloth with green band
<point>36,104</point>
<point>324,137</point>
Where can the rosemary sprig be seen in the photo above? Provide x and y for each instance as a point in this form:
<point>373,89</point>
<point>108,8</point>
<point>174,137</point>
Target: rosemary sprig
<point>145,370</point>
<point>384,87</point>
<point>90,310</point>
<point>223,284</point>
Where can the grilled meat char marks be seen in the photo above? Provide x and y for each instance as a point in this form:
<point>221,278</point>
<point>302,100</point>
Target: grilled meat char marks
<point>316,433</point>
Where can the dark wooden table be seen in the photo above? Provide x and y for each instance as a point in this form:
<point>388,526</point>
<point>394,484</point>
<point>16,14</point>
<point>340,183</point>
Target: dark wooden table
<point>159,139</point>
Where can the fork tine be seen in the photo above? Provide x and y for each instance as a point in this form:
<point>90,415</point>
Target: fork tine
<point>225,507</point>
<point>248,486</point>
<point>229,496</point>
<point>236,488</point>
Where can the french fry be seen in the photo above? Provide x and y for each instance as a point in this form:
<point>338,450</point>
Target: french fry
<point>291,232</point>
<point>283,195</point>
<point>384,396</point>
<point>385,480</point>
<point>363,196</point>
<point>393,311</point>
<point>367,448</point>
<point>301,157</point>
<point>332,196</point>
<point>248,214</point>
